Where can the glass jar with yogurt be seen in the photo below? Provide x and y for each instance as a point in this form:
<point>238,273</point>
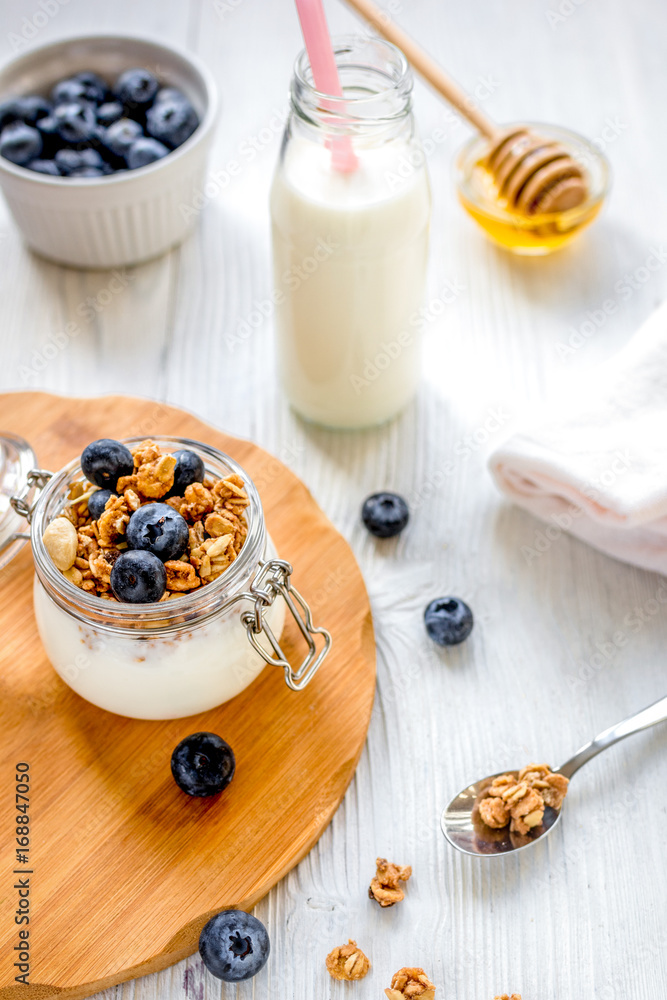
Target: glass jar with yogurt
<point>170,659</point>
<point>350,247</point>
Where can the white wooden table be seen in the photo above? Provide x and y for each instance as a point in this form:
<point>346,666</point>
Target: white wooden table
<point>583,915</point>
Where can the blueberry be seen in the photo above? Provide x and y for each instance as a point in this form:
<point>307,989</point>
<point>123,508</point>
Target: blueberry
<point>169,94</point>
<point>120,135</point>
<point>31,109</point>
<point>75,122</point>
<point>448,620</point>
<point>136,88</point>
<point>109,113</point>
<point>51,141</point>
<point>71,160</point>
<point>8,112</point>
<point>88,172</point>
<point>97,501</point>
<point>20,143</point>
<point>385,514</point>
<point>138,577</point>
<point>172,121</point>
<point>70,91</point>
<point>144,151</point>
<point>103,462</point>
<point>44,167</point>
<point>203,764</point>
<point>234,945</point>
<point>160,529</point>
<point>189,469</point>
<point>95,88</point>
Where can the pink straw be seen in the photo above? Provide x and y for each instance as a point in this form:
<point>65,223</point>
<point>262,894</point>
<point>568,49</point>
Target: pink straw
<point>325,72</point>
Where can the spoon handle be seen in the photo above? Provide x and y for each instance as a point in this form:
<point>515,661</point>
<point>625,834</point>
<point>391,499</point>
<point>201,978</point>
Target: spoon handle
<point>657,712</point>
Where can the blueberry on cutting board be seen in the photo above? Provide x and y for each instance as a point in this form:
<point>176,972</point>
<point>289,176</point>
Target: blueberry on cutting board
<point>234,945</point>
<point>203,764</point>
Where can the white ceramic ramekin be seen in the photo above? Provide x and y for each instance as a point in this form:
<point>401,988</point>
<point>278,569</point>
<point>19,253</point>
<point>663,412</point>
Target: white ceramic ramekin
<point>122,218</point>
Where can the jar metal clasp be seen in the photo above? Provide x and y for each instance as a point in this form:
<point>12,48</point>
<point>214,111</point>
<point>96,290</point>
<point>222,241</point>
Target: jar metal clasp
<point>274,580</point>
<point>24,503</point>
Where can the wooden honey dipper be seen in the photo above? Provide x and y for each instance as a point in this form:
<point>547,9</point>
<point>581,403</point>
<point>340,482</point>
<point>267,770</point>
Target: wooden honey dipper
<point>533,174</point>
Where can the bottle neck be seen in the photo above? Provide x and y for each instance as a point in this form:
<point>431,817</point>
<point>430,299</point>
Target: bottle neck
<point>377,86</point>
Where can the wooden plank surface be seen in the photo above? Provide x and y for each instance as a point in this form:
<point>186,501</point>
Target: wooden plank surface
<point>584,916</point>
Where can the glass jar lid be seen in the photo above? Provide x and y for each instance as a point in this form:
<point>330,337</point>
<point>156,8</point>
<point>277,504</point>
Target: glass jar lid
<point>16,460</point>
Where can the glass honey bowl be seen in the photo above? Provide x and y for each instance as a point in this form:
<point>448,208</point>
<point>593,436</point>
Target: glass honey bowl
<point>538,234</point>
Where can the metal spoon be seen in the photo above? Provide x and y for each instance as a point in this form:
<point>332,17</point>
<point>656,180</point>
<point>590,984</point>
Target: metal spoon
<point>468,834</point>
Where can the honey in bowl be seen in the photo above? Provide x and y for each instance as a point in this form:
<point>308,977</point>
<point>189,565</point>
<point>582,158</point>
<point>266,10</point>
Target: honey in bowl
<point>521,232</point>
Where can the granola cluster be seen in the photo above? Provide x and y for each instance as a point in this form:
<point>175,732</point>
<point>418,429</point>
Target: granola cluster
<point>507,996</point>
<point>411,983</point>
<point>384,886</point>
<point>214,511</point>
<point>347,962</point>
<point>520,800</point>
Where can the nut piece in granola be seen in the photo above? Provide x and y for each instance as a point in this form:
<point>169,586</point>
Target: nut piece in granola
<point>347,962</point>
<point>61,543</point>
<point>411,983</point>
<point>520,800</point>
<point>384,887</point>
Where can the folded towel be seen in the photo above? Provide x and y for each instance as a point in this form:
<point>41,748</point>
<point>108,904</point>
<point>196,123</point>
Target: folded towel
<point>594,463</point>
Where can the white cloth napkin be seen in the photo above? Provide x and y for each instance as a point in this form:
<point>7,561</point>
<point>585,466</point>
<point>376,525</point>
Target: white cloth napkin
<point>594,463</point>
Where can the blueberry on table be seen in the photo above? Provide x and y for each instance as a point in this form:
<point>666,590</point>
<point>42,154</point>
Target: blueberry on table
<point>138,577</point>
<point>20,143</point>
<point>158,528</point>
<point>75,122</point>
<point>448,620</point>
<point>189,469</point>
<point>136,88</point>
<point>120,135</point>
<point>144,151</point>
<point>49,167</point>
<point>95,88</point>
<point>109,113</point>
<point>172,121</point>
<point>97,501</point>
<point>234,945</point>
<point>104,461</point>
<point>385,514</point>
<point>203,764</point>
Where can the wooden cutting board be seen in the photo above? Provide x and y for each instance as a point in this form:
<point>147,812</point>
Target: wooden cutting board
<point>125,869</point>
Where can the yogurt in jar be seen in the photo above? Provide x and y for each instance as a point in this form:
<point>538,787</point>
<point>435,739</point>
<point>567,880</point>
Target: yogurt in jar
<point>160,677</point>
<point>350,253</point>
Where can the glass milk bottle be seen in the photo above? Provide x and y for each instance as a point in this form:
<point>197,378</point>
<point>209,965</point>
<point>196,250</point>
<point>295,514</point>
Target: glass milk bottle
<point>350,247</point>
